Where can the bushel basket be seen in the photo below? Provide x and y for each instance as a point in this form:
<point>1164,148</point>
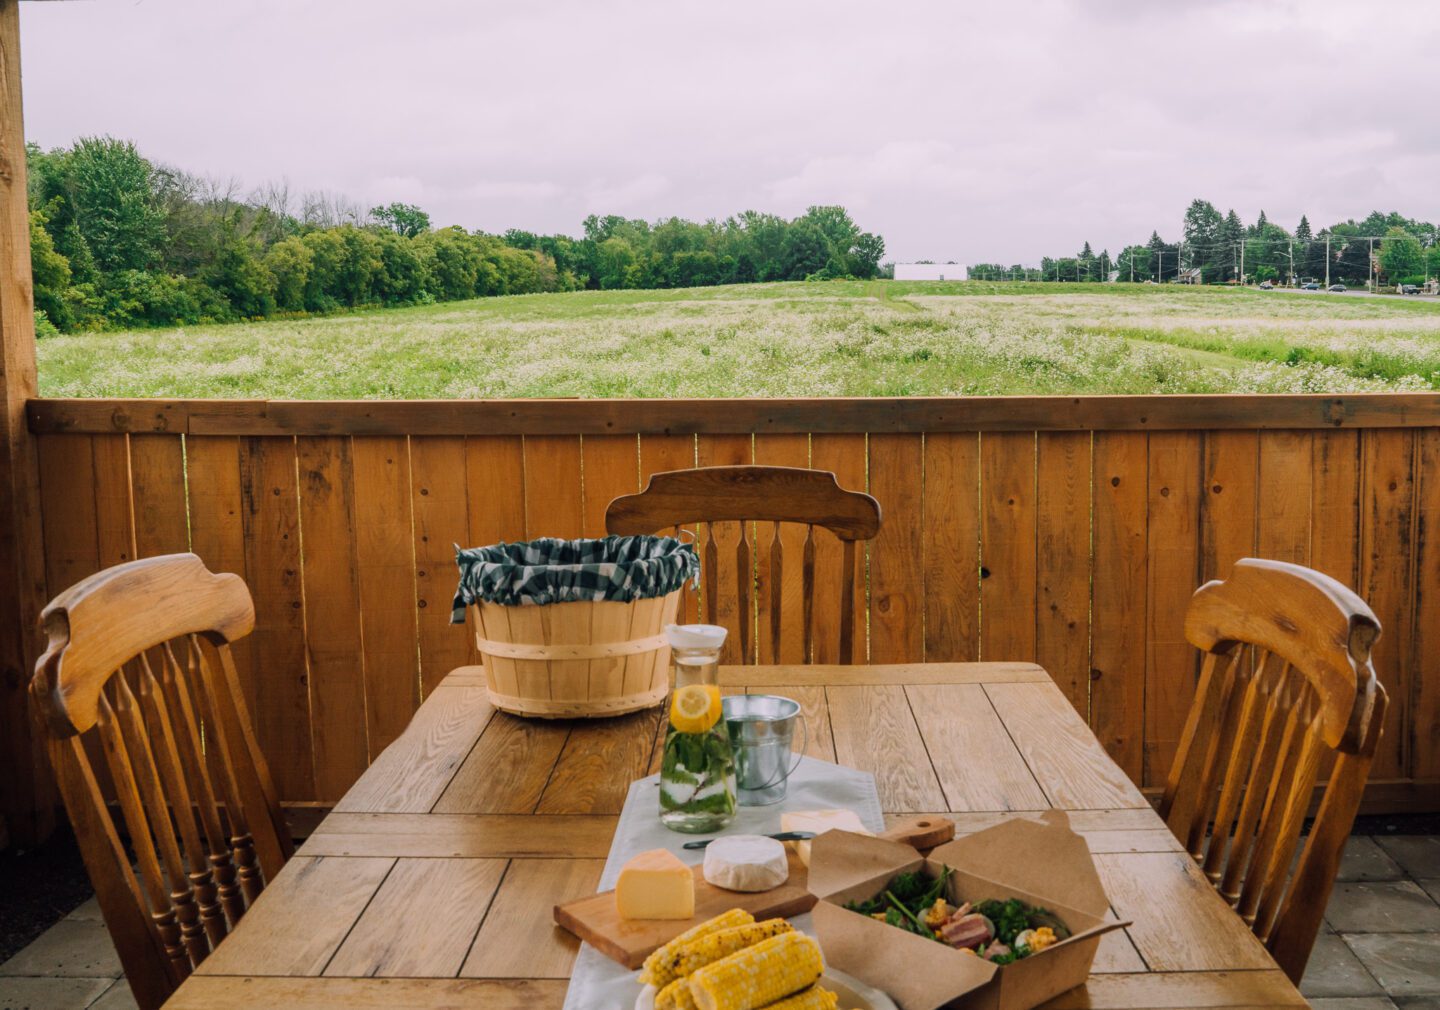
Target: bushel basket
<point>574,628</point>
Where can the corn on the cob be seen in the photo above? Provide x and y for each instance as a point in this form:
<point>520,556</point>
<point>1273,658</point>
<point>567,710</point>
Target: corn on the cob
<point>814,998</point>
<point>713,946</point>
<point>660,979</point>
<point>675,996</point>
<point>758,975</point>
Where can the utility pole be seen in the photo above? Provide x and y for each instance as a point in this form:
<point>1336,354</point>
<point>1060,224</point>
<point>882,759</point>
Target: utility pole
<point>1291,244</point>
<point>1242,261</point>
<point>1371,271</point>
<point>1327,261</point>
<point>1160,269</point>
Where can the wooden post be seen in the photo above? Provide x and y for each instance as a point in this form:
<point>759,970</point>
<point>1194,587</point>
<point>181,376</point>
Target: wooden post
<point>26,803</point>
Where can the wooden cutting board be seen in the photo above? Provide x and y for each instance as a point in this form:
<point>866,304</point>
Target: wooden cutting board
<point>630,941</point>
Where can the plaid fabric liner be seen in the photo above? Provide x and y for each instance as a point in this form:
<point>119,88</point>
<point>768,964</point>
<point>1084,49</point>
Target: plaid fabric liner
<point>551,570</point>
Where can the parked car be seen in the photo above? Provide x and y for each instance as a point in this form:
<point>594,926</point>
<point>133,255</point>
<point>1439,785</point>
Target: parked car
<point>1409,289</point>
<point>1312,286</point>
<point>1338,288</point>
<point>1266,286</point>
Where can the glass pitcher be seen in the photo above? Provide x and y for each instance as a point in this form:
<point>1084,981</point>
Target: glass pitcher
<point>697,769</point>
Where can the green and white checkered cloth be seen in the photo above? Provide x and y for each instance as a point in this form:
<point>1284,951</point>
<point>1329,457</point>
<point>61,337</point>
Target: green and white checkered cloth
<point>551,570</point>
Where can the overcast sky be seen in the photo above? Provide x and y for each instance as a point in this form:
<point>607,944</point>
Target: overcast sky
<point>956,130</point>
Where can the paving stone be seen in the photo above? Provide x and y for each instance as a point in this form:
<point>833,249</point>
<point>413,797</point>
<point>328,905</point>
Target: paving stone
<point>1418,855</point>
<point>1353,1003</point>
<point>1334,970</point>
<point>1405,964</point>
<point>1364,859</point>
<point>89,910</point>
<point>119,997</point>
<point>70,948</point>
<point>18,993</point>
<point>1399,906</point>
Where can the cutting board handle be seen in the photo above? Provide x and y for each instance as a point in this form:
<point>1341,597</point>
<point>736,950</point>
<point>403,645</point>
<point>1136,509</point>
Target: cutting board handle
<point>923,833</point>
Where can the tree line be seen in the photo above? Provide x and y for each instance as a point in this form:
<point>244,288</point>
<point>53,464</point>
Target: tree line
<point>1216,248</point>
<point>118,241</point>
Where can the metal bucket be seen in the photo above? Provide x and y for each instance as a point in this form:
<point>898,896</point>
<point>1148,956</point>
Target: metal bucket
<point>761,727</point>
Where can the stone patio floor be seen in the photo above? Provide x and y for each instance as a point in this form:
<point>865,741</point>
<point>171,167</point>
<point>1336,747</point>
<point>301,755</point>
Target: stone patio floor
<point>1379,948</point>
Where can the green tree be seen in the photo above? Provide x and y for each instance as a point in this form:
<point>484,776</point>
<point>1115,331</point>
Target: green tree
<point>614,259</point>
<point>110,188</point>
<point>1401,255</point>
<point>805,251</point>
<point>289,262</point>
<point>50,273</point>
<point>404,219</point>
<point>241,277</point>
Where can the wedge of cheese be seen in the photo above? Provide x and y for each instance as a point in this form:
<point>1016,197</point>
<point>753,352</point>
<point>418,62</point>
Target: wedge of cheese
<point>819,821</point>
<point>655,885</point>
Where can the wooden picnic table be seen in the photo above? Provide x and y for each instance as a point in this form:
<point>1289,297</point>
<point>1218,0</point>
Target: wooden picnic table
<point>431,883</point>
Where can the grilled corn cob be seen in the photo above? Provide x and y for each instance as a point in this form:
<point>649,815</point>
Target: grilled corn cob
<point>675,996</point>
<point>652,972</point>
<point>713,946</point>
<point>814,998</point>
<point>758,975</point>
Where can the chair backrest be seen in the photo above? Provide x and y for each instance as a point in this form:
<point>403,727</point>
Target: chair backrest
<point>137,697</point>
<point>1286,683</point>
<point>754,495</point>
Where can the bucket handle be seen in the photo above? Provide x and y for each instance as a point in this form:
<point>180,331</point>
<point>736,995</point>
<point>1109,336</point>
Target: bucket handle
<point>785,776</point>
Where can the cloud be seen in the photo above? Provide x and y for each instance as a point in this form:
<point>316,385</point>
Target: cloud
<point>639,193</point>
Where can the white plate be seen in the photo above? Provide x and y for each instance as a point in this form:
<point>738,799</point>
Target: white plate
<point>854,994</point>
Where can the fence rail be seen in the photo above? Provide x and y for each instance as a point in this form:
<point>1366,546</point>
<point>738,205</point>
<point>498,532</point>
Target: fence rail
<point>1066,530</point>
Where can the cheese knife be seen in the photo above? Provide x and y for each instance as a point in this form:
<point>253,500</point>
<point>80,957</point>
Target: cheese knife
<point>780,836</point>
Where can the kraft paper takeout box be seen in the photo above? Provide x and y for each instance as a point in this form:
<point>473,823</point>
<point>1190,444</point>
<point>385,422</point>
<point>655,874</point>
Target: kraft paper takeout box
<point>1040,862</point>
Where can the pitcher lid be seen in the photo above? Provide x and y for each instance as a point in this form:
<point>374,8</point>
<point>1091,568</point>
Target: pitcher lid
<point>695,636</point>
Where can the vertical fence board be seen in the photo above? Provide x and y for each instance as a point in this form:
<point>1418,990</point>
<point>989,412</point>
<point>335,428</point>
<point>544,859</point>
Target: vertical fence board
<point>67,510</point>
<point>217,532</point>
<point>845,457</point>
<point>1335,505</point>
<point>438,501</point>
<point>157,483</point>
<point>1062,562</point>
<point>611,468</point>
<point>384,551</point>
<point>553,496</point>
<point>1227,501</point>
<point>658,454</point>
<point>1007,546</point>
<point>782,450</point>
<point>338,724</point>
<point>1174,548</point>
<point>1286,491</point>
<point>897,588</point>
<point>1425,653</point>
<point>272,563</point>
<point>1386,556</point>
<point>495,500</point>
<point>729,450</point>
<point>1120,594</point>
<point>115,521</point>
<point>951,546</point>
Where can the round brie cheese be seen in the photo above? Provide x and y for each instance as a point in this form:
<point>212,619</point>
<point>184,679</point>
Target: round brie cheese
<point>746,863</point>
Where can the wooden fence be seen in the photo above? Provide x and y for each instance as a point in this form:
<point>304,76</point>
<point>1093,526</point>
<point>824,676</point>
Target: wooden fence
<point>1068,531</point>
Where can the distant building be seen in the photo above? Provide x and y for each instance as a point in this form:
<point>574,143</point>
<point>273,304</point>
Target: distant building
<point>931,272</point>
<point>1191,276</point>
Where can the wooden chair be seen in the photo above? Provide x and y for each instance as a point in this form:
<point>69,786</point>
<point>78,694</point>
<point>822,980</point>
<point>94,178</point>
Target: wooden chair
<point>1286,680</point>
<point>137,696</point>
<point>758,494</point>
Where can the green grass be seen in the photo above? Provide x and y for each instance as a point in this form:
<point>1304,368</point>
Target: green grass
<point>842,338</point>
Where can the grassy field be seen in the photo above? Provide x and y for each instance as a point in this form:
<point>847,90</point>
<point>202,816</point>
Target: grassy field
<point>839,338</point>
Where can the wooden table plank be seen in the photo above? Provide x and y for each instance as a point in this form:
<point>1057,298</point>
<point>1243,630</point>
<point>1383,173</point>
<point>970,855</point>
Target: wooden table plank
<point>1164,991</point>
<point>1180,922</point>
<point>301,918</point>
<point>1153,837</point>
<point>202,992</point>
<point>875,732</point>
<point>436,905</point>
<point>957,723</point>
<point>507,770</point>
<point>519,939</point>
<point>1073,769</point>
<point>595,769</point>
<point>467,835</point>
<point>816,709</point>
<point>413,771</point>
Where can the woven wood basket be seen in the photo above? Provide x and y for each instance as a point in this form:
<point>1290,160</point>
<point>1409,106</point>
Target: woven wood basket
<point>579,659</point>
